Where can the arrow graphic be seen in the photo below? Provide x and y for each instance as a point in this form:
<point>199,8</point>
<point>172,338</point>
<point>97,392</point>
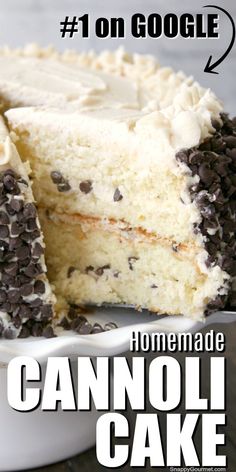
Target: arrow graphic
<point>210,66</point>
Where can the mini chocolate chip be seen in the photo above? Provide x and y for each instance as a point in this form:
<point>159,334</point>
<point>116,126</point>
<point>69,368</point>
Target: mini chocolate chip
<point>31,270</point>
<point>14,243</point>
<point>9,333</point>
<point>3,296</point>
<point>24,333</point>
<point>85,328</point>
<point>14,296</point>
<point>16,204</point>
<point>97,328</point>
<point>70,271</point>
<point>32,224</point>
<point>110,325</point>
<point>4,231</point>
<point>48,332</point>
<point>37,250</point>
<point>100,270</point>
<point>206,174</point>
<point>230,141</point>
<point>72,313</point>
<point>89,269</point>
<point>22,252</point>
<point>216,124</point>
<point>36,302</point>
<point>86,186</point>
<point>11,268</point>
<point>37,330</point>
<point>56,177</point>
<point>64,187</point>
<point>9,183</point>
<point>16,228</point>
<point>182,156</point>
<point>116,274</point>
<point>117,197</point>
<point>131,261</point>
<point>39,287</point>
<point>175,247</point>
<point>5,307</point>
<point>46,311</point>
<point>4,218</point>
<point>154,286</point>
<point>29,210</point>
<point>26,290</point>
<point>64,323</point>
<point>24,311</point>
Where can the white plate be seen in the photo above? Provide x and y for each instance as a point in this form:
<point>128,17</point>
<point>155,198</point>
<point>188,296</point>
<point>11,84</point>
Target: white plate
<point>39,437</point>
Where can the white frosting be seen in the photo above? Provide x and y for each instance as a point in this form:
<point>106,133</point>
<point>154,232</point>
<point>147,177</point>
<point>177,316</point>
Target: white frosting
<point>135,90</point>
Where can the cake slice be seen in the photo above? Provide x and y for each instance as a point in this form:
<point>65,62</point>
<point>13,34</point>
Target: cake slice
<point>26,299</point>
<point>133,170</point>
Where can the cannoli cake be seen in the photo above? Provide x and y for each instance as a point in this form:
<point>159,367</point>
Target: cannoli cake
<point>133,171</point>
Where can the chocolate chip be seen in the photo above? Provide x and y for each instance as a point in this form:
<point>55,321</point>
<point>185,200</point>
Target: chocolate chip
<point>154,286</point>
<point>100,270</point>
<point>37,330</point>
<point>24,333</point>
<point>22,252</point>
<point>3,296</point>
<point>4,218</point>
<point>117,197</point>
<point>85,328</point>
<point>16,204</point>
<point>56,177</point>
<point>89,269</point>
<point>64,323</point>
<point>10,333</point>
<point>109,326</point>
<point>9,183</point>
<point>26,290</point>
<point>4,231</point>
<point>131,261</point>
<point>32,224</point>
<point>64,187</point>
<point>70,271</point>
<point>11,268</point>
<point>16,228</point>
<point>29,210</point>
<point>39,287</point>
<point>230,141</point>
<point>206,174</point>
<point>48,332</point>
<point>46,311</point>
<point>86,186</point>
<point>182,156</point>
<point>97,328</point>
<point>37,250</point>
<point>14,296</point>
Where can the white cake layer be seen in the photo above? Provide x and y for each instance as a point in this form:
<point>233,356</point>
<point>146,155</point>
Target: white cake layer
<point>92,263</point>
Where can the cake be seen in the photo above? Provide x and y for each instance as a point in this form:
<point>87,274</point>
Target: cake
<point>133,171</point>
<point>26,299</point>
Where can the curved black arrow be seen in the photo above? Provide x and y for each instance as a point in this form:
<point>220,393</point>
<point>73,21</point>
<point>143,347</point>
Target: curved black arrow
<point>211,66</point>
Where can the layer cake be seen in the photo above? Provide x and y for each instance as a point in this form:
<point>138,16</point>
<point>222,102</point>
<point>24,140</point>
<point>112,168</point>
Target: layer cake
<point>133,171</point>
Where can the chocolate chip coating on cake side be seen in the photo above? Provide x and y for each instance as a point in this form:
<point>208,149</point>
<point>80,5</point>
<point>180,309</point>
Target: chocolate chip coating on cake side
<point>22,290</point>
<point>214,162</point>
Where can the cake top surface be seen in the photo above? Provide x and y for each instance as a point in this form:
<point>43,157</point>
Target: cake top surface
<point>112,86</point>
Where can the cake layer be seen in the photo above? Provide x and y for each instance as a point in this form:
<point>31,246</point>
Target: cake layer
<point>26,298</point>
<point>106,176</point>
<point>89,262</point>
